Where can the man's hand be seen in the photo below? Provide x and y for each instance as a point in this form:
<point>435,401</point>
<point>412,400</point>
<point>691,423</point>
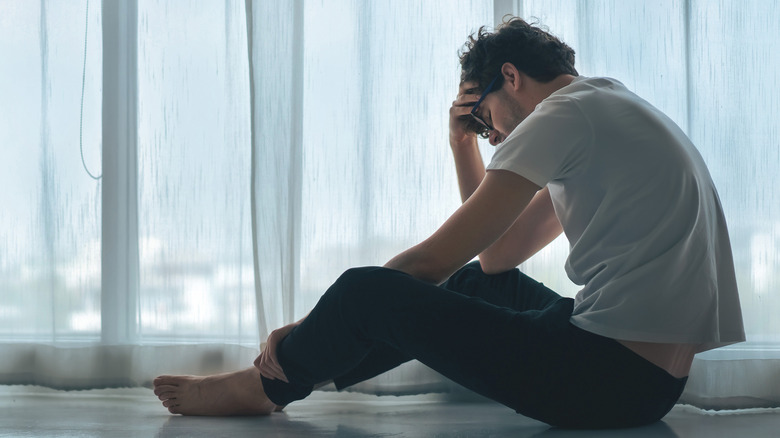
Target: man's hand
<point>267,362</point>
<point>476,225</point>
<point>463,141</point>
<point>460,116</point>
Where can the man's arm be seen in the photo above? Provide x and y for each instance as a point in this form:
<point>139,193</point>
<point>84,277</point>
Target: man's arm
<point>469,167</point>
<point>468,161</point>
<point>534,229</point>
<point>478,223</point>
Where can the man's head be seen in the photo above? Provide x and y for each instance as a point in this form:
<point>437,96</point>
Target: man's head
<point>533,52</point>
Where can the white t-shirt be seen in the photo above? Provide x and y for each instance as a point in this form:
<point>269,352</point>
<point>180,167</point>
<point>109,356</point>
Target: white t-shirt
<point>648,237</point>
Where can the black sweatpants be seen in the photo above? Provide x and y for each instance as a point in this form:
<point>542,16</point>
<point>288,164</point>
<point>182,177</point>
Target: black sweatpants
<point>504,336</point>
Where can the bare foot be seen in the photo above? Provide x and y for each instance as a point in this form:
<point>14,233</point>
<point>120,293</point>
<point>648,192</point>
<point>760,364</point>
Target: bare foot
<point>237,393</point>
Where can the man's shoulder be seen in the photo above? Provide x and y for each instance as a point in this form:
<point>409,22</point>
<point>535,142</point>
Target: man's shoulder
<point>585,86</point>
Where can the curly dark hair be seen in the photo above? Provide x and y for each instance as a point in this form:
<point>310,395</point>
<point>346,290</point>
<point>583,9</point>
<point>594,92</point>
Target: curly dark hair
<point>531,49</point>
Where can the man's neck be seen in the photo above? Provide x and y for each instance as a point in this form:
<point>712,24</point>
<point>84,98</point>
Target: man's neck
<point>546,89</point>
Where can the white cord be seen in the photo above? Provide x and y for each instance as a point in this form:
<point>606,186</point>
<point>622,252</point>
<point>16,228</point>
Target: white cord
<point>81,112</point>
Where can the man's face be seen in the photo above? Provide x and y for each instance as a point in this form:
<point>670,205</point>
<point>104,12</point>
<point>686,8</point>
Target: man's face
<point>500,113</point>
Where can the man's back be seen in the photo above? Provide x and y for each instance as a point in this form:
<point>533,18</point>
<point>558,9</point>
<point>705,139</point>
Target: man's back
<point>648,239</point>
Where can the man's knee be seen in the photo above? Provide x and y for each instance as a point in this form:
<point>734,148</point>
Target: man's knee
<point>358,277</point>
<point>360,292</point>
<point>365,280</point>
<point>468,273</point>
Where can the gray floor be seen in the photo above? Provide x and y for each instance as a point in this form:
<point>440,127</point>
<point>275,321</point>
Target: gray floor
<point>30,411</point>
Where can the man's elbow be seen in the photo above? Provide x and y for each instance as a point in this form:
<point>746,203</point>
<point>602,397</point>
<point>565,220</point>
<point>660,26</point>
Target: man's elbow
<point>492,267</point>
<point>420,265</point>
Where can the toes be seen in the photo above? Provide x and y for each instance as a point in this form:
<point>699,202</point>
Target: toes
<point>161,389</point>
<point>166,396</point>
<point>167,389</point>
<point>166,380</point>
<point>173,406</point>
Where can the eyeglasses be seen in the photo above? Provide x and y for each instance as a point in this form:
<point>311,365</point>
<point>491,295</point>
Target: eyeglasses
<point>481,98</point>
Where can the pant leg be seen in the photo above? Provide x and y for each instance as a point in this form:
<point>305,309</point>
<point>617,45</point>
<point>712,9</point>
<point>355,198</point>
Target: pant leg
<point>511,289</point>
<point>534,361</point>
<point>479,345</point>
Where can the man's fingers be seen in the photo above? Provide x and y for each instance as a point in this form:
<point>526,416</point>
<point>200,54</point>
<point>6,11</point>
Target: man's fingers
<point>274,373</point>
<point>465,100</point>
<point>269,367</point>
<point>468,87</point>
<point>270,373</point>
<point>267,362</point>
<point>460,111</point>
<point>272,364</point>
<point>275,368</point>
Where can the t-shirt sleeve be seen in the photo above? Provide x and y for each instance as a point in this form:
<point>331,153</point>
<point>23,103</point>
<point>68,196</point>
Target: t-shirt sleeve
<point>553,141</point>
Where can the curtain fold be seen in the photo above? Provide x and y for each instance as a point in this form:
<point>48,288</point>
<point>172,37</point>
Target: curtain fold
<point>274,30</point>
<point>195,301</point>
<point>735,378</point>
<point>280,143</point>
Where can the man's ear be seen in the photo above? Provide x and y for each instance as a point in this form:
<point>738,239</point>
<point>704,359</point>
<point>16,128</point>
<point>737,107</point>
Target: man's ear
<point>512,75</point>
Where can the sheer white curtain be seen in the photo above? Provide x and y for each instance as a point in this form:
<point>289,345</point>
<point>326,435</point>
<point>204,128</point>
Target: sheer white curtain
<point>279,143</point>
<point>153,268</point>
<point>149,269</point>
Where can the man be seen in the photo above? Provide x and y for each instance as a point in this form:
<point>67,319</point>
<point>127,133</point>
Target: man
<point>580,155</point>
